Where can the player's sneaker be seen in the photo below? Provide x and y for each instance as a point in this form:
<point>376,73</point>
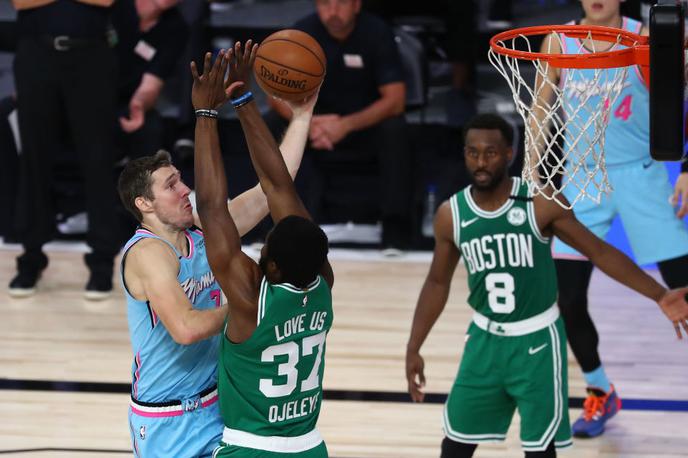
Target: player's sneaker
<point>597,409</point>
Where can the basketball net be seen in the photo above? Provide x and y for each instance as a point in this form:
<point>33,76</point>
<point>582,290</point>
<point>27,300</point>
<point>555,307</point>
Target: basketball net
<point>564,133</point>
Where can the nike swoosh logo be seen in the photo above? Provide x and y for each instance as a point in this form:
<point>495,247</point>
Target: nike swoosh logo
<point>532,351</point>
<point>647,165</point>
<point>469,222</point>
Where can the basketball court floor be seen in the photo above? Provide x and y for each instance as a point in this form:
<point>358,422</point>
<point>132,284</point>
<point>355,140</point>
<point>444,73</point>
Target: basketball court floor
<point>64,366</point>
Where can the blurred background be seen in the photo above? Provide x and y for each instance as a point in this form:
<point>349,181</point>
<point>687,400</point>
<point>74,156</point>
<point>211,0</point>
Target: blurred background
<point>443,46</point>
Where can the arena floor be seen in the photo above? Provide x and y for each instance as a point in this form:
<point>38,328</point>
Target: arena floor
<point>64,366</point>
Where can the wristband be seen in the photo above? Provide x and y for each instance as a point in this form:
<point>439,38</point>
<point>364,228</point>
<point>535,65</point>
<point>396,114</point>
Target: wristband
<point>206,113</point>
<point>242,100</point>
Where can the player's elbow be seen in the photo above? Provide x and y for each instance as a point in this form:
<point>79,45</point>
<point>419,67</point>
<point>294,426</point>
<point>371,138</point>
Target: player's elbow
<point>436,287</point>
<point>438,283</point>
<point>273,188</point>
<point>184,335</point>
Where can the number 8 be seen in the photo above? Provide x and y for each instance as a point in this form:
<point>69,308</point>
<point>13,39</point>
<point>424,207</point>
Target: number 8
<point>500,288</point>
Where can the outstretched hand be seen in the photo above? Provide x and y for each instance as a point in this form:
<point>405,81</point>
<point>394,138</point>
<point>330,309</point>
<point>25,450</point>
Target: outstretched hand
<point>675,307</point>
<point>208,91</point>
<point>240,67</point>
<point>304,107</point>
<point>216,85</point>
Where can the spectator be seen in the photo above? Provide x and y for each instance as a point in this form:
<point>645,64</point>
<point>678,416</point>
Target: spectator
<point>64,77</point>
<point>359,113</point>
<point>151,36</point>
<point>461,31</point>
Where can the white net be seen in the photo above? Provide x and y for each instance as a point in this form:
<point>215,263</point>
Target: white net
<point>565,112</point>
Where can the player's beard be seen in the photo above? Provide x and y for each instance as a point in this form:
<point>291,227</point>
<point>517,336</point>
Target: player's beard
<point>492,184</point>
<point>178,223</point>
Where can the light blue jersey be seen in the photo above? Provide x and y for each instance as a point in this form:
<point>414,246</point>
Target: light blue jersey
<point>628,128</point>
<point>163,369</point>
<point>640,185</point>
<point>170,379</point>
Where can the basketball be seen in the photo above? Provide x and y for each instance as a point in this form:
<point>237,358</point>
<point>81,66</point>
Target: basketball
<point>290,65</point>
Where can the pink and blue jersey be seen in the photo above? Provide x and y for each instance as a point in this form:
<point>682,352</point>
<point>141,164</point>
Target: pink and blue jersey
<point>169,379</point>
<point>640,185</point>
<point>628,129</point>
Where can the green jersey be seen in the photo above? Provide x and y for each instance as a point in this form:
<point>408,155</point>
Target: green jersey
<point>271,384</point>
<point>511,274</point>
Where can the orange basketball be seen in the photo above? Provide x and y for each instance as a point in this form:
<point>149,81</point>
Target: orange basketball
<point>290,65</point>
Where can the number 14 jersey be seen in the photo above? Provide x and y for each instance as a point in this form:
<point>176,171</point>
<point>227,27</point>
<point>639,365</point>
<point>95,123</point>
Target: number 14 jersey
<point>271,384</point>
<point>511,274</point>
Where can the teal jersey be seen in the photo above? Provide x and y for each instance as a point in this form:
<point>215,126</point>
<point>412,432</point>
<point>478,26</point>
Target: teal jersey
<point>163,370</point>
<point>271,384</point>
<point>511,274</point>
<point>627,135</point>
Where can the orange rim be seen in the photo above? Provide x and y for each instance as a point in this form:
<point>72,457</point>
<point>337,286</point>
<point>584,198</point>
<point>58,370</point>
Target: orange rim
<point>636,53</point>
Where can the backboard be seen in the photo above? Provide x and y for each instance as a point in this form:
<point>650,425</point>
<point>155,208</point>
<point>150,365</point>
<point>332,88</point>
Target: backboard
<point>667,80</point>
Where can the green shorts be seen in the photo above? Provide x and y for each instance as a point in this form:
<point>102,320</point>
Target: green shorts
<point>499,374</point>
<point>233,451</point>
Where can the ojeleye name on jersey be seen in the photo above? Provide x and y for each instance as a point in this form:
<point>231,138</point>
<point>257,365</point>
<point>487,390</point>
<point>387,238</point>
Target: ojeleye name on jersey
<point>293,409</point>
<point>297,325</point>
<point>498,250</point>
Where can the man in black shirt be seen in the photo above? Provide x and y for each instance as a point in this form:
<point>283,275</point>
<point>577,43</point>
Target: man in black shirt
<point>65,78</point>
<point>151,36</point>
<point>360,107</point>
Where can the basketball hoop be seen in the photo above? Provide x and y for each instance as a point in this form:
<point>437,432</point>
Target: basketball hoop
<point>565,123</point>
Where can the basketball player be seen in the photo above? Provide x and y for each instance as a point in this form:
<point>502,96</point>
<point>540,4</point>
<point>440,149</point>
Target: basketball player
<point>173,304</point>
<point>640,196</point>
<point>272,351</point>
<point>515,352</point>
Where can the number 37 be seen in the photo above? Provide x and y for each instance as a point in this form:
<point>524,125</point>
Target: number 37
<point>288,369</point>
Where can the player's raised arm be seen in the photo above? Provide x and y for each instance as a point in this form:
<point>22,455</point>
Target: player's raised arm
<point>235,271</point>
<point>267,160</point>
<point>265,155</point>
<point>251,206</point>
<point>208,94</point>
<point>432,299</point>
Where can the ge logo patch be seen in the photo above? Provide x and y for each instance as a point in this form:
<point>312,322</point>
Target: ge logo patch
<point>516,216</point>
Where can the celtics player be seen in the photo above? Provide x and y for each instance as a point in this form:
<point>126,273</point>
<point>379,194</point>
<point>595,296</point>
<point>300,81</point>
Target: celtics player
<point>272,356</point>
<point>515,352</point>
<point>642,197</point>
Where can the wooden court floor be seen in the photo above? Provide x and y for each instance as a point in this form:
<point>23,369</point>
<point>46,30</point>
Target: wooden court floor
<point>64,366</point>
